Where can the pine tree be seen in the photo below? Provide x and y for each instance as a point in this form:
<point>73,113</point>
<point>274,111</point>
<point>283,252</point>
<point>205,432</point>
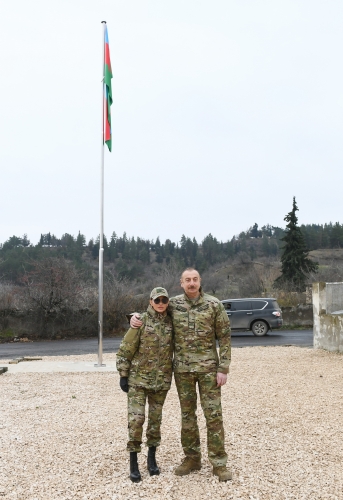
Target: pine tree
<point>80,241</point>
<point>112,249</point>
<point>254,232</point>
<point>296,265</point>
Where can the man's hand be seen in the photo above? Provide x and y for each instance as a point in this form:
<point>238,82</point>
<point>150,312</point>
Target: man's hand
<point>124,384</point>
<point>221,379</point>
<point>135,322</point>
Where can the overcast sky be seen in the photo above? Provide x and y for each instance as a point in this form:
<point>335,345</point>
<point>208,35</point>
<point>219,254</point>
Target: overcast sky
<point>223,111</point>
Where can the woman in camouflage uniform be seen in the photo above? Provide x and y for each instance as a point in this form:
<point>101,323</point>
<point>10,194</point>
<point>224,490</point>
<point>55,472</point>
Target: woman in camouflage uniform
<point>144,362</point>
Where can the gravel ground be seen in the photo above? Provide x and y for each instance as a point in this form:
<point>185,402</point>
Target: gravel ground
<point>63,436</point>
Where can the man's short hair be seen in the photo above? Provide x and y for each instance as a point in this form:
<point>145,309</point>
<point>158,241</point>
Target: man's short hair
<point>189,269</point>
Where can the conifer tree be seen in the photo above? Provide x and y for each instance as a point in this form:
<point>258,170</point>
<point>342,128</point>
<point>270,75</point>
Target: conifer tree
<point>296,265</point>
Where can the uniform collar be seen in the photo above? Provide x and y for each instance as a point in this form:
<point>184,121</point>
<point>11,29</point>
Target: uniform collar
<point>198,300</point>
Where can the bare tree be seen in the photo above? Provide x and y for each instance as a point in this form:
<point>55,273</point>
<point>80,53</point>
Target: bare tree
<point>57,293</point>
<point>251,285</point>
<point>169,277</point>
<point>8,303</point>
<point>120,299</point>
<point>329,272</point>
<point>213,280</point>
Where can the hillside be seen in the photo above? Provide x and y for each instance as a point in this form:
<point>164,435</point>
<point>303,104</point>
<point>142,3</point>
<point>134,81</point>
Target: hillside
<point>51,289</point>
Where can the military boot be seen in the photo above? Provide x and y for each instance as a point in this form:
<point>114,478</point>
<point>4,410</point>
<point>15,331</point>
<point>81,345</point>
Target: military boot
<point>152,465</point>
<point>187,466</point>
<point>223,473</point>
<point>135,475</point>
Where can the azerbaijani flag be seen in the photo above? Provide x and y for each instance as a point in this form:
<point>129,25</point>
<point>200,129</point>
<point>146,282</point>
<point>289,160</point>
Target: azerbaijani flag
<point>107,93</point>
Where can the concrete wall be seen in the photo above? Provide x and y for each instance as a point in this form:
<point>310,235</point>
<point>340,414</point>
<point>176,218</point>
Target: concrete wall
<point>328,316</point>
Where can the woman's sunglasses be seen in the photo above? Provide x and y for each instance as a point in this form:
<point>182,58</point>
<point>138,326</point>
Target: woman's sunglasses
<point>164,300</point>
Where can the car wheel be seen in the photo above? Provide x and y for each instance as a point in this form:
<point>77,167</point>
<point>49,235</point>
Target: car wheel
<point>259,328</point>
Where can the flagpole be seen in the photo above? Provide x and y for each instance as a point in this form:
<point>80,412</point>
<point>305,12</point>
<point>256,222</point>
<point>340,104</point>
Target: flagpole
<point>101,242</point>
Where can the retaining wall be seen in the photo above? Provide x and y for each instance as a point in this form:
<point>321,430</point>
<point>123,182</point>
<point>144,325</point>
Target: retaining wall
<point>300,315</point>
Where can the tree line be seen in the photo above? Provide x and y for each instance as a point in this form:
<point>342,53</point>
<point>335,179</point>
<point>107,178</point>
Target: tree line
<point>130,255</point>
<point>50,288</point>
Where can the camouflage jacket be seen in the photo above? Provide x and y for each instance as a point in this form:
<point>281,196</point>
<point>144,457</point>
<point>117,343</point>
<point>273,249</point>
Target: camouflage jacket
<point>145,354</point>
<point>197,325</point>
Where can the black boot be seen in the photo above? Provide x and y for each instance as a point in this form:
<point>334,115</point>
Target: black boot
<point>152,465</point>
<point>135,475</point>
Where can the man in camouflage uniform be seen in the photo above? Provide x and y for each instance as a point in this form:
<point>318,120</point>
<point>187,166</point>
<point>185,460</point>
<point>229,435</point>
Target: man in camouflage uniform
<point>198,321</point>
<point>144,362</point>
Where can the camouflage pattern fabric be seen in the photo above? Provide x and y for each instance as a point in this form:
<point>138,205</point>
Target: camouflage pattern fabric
<point>137,397</point>
<point>159,292</point>
<point>210,398</point>
<point>197,324</point>
<point>145,354</point>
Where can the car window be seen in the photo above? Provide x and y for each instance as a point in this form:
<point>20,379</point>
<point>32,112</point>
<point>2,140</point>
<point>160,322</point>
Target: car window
<point>275,304</point>
<point>259,304</point>
<point>242,305</point>
<point>227,306</point>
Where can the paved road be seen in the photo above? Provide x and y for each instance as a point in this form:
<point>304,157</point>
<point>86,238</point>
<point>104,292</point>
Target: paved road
<point>302,338</point>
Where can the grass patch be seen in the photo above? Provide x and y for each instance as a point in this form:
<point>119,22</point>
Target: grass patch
<point>7,334</point>
<point>295,327</point>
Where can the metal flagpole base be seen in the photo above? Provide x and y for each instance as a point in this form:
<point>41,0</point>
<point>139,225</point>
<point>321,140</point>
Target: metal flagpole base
<point>98,366</point>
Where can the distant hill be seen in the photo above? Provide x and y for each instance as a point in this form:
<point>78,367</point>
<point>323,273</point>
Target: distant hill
<point>255,251</point>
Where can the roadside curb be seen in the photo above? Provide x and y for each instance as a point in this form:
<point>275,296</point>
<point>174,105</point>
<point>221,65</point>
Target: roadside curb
<point>15,361</point>
<point>41,366</point>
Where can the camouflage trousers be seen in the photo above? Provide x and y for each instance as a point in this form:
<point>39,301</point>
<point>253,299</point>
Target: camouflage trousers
<point>210,398</point>
<point>136,401</point>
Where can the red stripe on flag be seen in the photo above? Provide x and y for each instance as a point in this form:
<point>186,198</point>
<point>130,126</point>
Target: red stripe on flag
<point>107,57</point>
<point>107,124</point>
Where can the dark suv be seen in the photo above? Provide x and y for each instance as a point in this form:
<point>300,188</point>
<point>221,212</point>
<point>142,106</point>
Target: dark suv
<point>257,315</point>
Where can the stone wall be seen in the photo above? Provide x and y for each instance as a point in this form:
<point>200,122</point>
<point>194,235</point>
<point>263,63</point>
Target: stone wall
<point>300,315</point>
<point>328,316</point>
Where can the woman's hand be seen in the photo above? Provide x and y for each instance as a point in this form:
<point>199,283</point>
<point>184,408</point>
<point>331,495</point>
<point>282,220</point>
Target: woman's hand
<point>135,322</point>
